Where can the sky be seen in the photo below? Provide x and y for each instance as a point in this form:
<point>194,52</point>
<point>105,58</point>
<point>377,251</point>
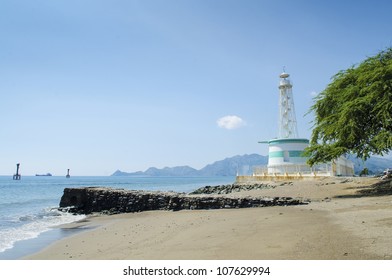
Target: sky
<point>100,85</point>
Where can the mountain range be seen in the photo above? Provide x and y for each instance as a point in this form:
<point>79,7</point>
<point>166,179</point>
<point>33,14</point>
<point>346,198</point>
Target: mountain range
<point>242,164</point>
<point>227,167</point>
<point>375,165</point>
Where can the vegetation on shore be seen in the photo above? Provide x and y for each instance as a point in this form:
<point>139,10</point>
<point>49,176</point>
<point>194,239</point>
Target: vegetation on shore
<point>353,115</point>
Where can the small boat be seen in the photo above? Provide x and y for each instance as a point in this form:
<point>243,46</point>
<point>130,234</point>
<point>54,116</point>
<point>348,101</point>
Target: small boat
<point>47,174</point>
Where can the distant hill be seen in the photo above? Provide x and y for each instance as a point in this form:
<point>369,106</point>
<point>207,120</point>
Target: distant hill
<point>167,171</point>
<point>230,166</point>
<point>243,164</point>
<point>226,167</point>
<point>375,165</point>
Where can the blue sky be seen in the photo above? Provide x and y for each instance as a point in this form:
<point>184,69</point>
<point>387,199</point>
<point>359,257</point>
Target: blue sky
<point>98,85</point>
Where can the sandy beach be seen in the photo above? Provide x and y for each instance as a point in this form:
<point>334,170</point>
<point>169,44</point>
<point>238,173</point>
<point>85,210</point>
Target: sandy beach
<point>346,219</point>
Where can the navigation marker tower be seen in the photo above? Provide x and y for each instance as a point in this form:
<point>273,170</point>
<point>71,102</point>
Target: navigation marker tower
<point>68,176</point>
<point>17,176</point>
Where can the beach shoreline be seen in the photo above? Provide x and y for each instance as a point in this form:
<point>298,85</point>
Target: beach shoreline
<point>26,247</point>
<point>340,223</point>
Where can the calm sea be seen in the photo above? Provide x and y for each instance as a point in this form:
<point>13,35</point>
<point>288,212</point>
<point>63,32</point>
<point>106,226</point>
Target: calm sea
<point>28,207</point>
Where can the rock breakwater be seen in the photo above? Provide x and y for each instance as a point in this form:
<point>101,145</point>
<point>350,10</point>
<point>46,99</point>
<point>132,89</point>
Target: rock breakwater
<point>88,200</point>
<point>230,188</point>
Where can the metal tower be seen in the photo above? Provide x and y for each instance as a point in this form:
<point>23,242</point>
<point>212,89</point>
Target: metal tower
<point>17,176</point>
<point>287,120</point>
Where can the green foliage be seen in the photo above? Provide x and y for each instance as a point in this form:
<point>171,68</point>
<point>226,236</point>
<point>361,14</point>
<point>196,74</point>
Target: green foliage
<point>354,113</point>
<point>364,172</point>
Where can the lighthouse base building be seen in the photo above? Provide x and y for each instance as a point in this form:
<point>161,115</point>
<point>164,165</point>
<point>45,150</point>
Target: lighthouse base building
<point>286,155</point>
<point>286,159</point>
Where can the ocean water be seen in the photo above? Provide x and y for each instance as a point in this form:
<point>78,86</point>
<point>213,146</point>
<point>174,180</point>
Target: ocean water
<point>28,207</point>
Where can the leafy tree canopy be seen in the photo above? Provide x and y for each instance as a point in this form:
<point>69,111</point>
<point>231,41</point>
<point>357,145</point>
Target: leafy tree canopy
<point>354,113</point>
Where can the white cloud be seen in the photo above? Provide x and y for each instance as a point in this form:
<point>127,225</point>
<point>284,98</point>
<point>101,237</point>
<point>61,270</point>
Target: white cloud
<point>313,94</point>
<point>230,122</point>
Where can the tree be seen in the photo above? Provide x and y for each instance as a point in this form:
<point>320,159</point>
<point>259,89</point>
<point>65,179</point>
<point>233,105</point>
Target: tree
<point>354,113</point>
<point>364,172</point>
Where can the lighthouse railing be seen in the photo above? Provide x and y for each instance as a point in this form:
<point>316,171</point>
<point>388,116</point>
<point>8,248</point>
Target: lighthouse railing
<point>288,170</point>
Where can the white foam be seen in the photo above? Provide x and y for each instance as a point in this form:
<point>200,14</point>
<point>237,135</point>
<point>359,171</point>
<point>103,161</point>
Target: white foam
<point>34,225</point>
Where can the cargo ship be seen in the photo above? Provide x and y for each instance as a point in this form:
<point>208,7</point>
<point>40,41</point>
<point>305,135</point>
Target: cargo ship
<point>47,174</point>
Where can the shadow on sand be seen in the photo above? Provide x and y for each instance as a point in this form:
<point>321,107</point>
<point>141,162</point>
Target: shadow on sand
<point>381,188</point>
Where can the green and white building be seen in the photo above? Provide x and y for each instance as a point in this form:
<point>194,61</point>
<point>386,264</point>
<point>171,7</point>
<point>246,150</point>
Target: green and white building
<point>285,155</point>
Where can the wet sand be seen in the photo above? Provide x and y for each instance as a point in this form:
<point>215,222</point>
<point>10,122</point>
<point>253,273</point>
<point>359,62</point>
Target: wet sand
<point>343,221</point>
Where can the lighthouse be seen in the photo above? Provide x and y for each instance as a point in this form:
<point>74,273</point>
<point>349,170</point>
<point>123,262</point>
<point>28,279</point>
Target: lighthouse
<point>285,153</point>
<point>286,156</point>
<point>287,119</point>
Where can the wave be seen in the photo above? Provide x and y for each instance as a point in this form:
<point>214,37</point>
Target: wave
<point>32,225</point>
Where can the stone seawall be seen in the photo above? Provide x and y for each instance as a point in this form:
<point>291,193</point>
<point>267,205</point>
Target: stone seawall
<point>88,200</point>
<point>232,188</point>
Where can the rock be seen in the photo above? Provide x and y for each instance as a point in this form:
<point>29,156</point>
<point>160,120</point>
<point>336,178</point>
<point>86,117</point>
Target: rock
<point>113,201</point>
<point>226,189</point>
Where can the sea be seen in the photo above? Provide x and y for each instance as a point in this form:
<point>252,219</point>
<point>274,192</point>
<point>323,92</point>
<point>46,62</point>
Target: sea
<point>29,215</point>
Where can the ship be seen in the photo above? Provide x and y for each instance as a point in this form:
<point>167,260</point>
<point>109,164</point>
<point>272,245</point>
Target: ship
<point>47,174</point>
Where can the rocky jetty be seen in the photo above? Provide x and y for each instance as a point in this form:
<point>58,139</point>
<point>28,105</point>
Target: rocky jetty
<point>88,200</point>
<point>230,188</point>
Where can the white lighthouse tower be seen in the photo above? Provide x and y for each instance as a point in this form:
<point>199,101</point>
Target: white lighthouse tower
<point>287,120</point>
<point>285,153</point>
